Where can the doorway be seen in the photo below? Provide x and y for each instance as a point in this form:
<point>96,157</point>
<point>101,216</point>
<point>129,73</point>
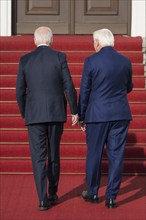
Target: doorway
<point>72,16</point>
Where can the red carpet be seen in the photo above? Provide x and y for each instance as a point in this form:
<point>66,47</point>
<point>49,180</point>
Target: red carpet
<point>14,150</point>
<point>68,43</point>
<point>10,81</point>
<point>75,57</point>
<point>11,69</point>
<point>19,200</point>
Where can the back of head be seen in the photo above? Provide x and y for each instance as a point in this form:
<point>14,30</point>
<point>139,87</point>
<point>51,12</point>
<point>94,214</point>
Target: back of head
<point>43,35</point>
<point>104,36</point>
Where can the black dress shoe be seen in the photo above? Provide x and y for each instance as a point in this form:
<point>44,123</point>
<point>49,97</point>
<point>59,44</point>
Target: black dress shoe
<point>110,203</point>
<point>44,205</point>
<point>89,198</point>
<point>53,199</point>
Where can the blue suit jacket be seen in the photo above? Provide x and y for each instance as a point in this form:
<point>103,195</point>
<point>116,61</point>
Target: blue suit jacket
<point>43,81</point>
<point>106,80</point>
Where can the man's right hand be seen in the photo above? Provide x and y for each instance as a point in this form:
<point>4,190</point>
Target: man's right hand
<point>74,119</point>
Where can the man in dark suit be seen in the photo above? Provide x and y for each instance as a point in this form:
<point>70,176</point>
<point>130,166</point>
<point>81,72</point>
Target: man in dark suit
<point>43,78</point>
<point>105,114</point>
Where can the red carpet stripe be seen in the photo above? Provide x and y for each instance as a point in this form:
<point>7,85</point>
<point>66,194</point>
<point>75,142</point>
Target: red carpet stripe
<point>135,96</point>
<point>16,122</point>
<point>12,108</point>
<point>69,151</point>
<point>76,69</point>
<point>69,166</point>
<point>68,137</point>
<point>68,43</point>
<point>10,81</point>
<point>72,57</point>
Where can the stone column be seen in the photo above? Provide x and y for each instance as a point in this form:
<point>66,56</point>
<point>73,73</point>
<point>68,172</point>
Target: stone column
<point>5,17</point>
<point>138,21</point>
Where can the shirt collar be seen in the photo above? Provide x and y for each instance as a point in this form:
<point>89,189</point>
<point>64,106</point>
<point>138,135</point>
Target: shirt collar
<point>42,45</point>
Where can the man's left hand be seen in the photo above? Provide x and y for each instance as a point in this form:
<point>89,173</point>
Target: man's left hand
<point>83,126</point>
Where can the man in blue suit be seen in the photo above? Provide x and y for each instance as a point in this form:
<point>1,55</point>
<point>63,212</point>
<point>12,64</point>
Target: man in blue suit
<point>105,114</point>
<point>43,81</point>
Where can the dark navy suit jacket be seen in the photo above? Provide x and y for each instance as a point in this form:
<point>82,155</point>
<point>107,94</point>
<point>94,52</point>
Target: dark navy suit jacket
<point>42,80</point>
<point>106,80</point>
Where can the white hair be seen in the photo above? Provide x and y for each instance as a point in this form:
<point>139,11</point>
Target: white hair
<point>43,34</point>
<point>104,36</point>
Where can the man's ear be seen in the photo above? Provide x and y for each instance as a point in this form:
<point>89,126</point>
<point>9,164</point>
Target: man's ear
<point>51,40</point>
<point>97,43</point>
<point>35,42</point>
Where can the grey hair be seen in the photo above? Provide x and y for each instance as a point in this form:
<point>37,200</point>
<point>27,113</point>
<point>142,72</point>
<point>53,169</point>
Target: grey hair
<point>104,36</point>
<point>43,36</point>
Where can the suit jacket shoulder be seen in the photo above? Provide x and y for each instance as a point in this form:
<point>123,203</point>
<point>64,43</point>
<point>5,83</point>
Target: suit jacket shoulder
<point>91,57</point>
<point>57,52</point>
<point>126,59</point>
<point>27,56</point>
<point>61,56</point>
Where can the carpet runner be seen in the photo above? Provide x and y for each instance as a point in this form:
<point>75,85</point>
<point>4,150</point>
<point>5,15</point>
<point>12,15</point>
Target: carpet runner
<point>14,149</point>
<point>23,203</point>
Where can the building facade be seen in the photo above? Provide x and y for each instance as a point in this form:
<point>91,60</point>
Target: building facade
<point>75,18</point>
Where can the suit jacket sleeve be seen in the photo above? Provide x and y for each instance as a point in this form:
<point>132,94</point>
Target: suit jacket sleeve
<point>68,85</point>
<point>84,90</point>
<point>130,83</point>
<point>21,90</point>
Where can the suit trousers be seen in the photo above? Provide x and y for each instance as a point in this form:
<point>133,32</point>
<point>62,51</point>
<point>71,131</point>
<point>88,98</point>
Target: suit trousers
<point>113,134</point>
<point>44,140</point>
